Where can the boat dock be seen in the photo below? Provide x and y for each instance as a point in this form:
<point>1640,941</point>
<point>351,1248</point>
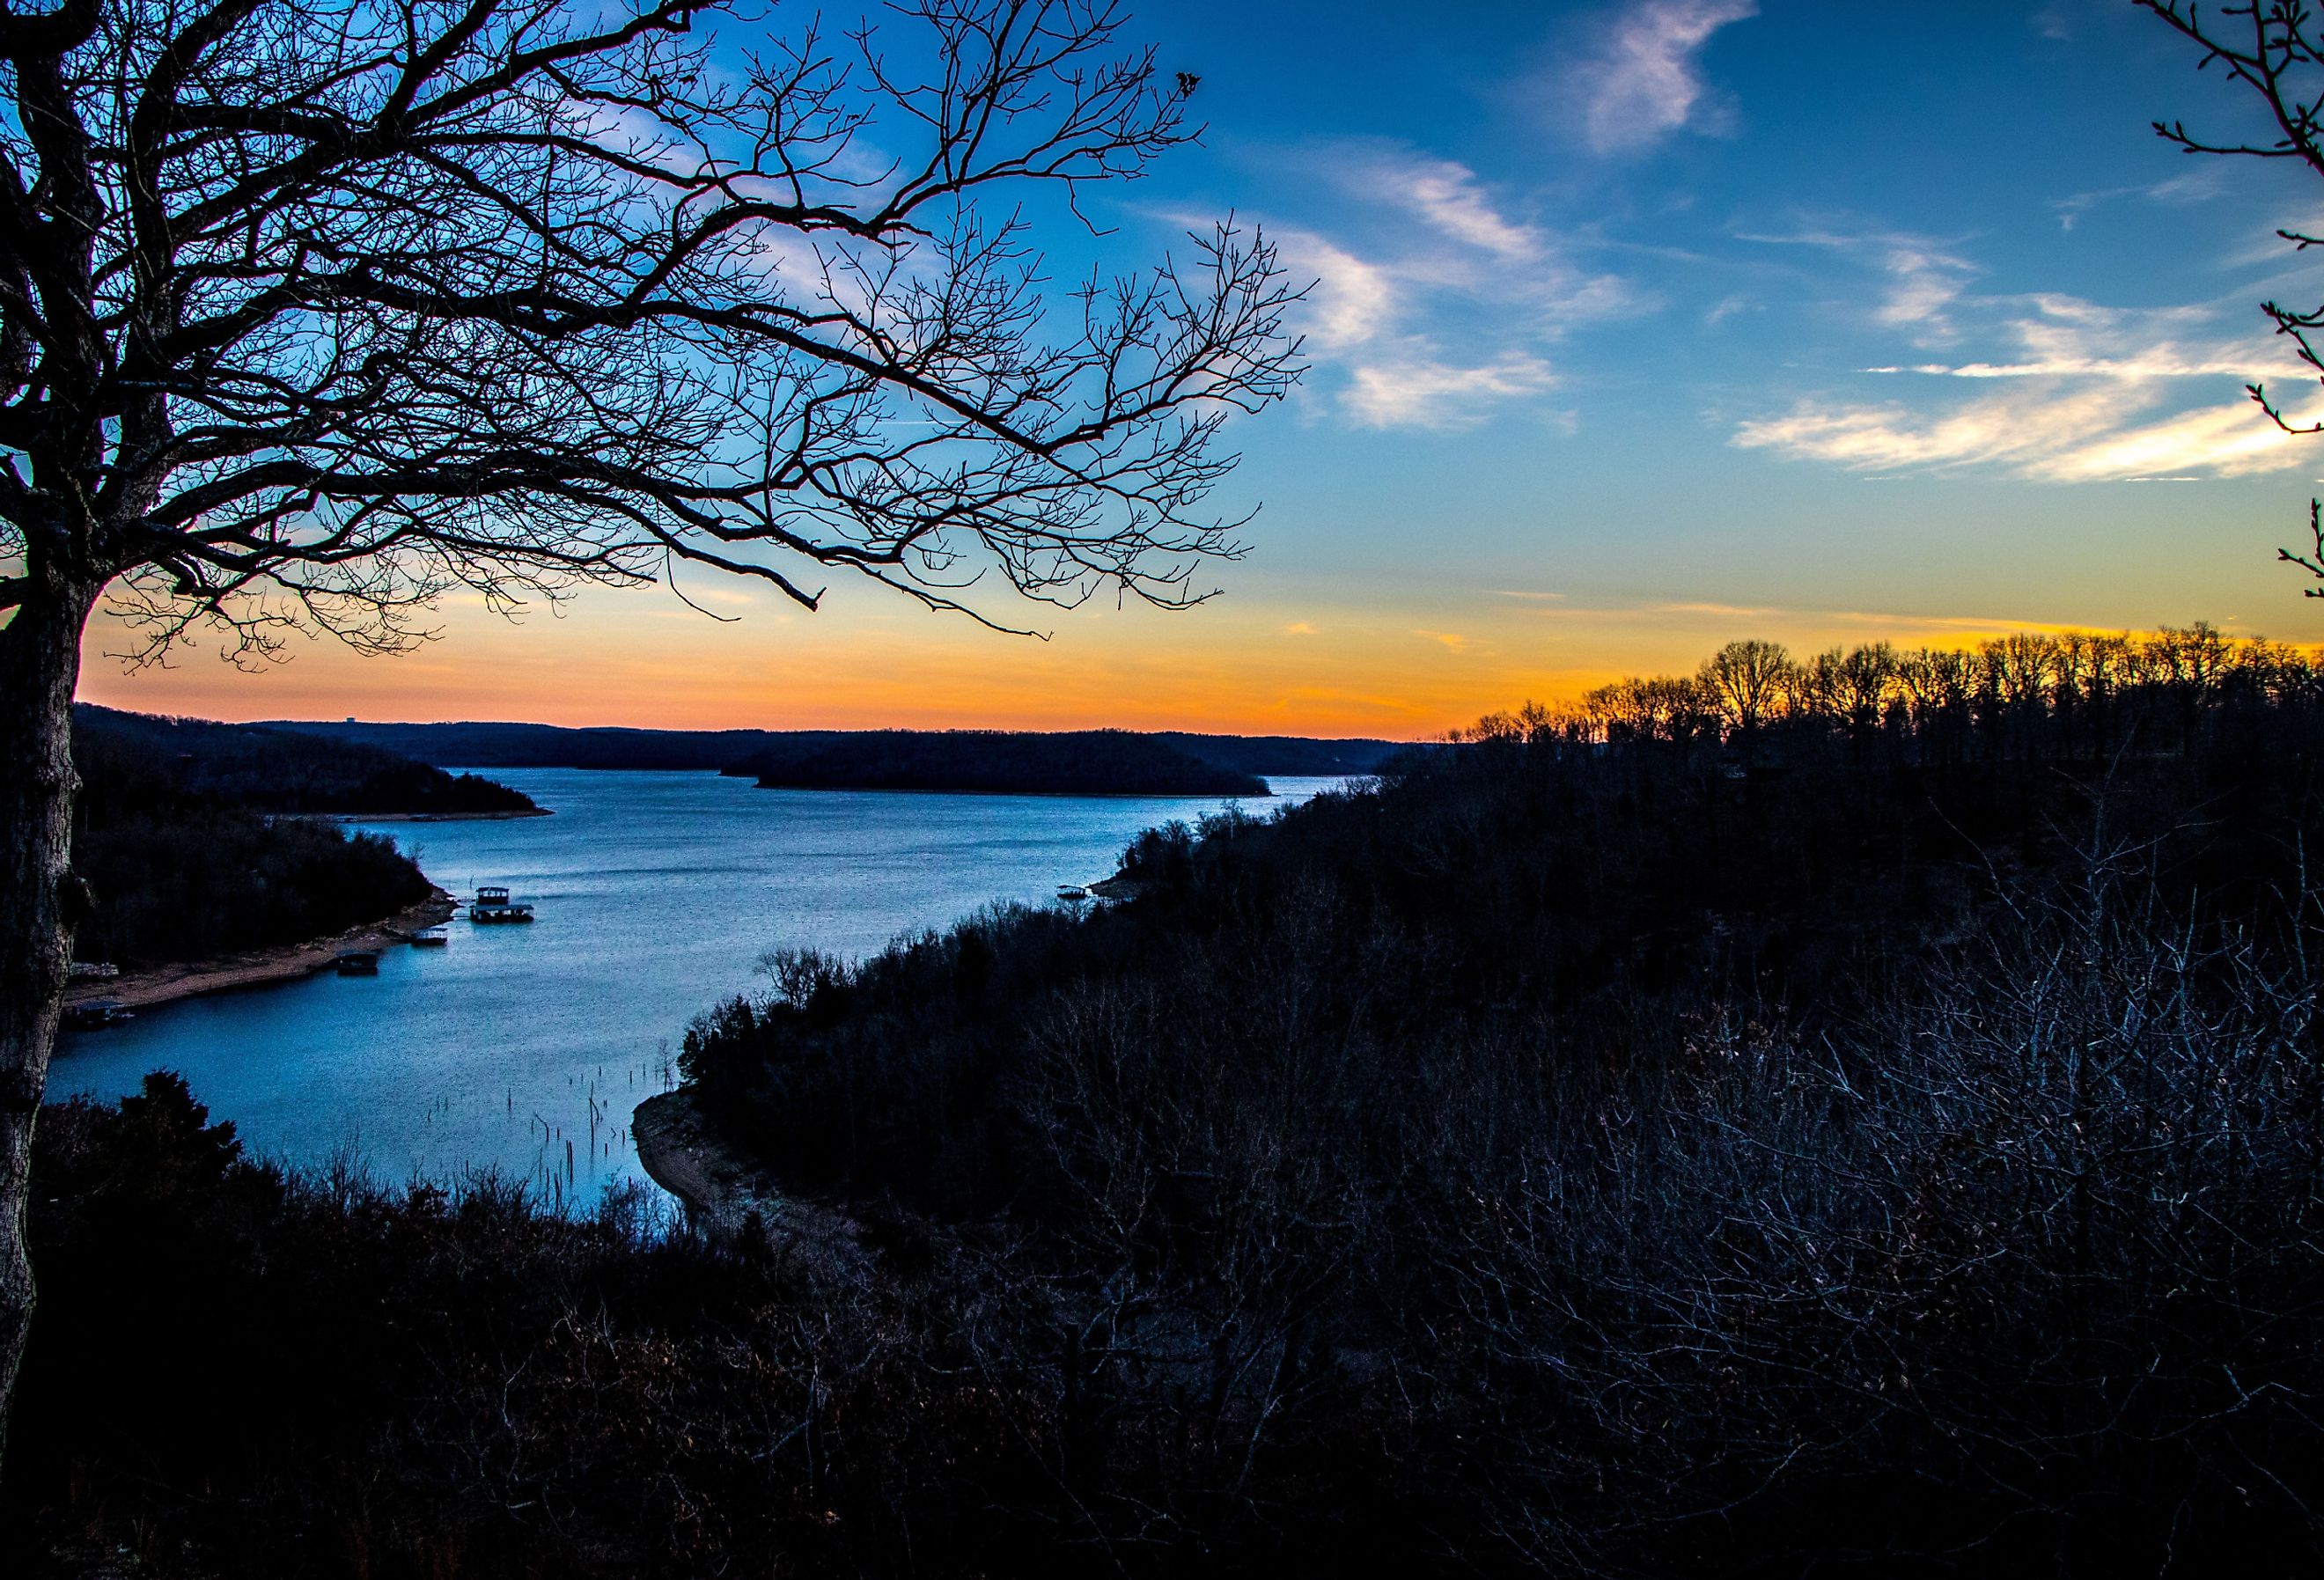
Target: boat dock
<point>492,905</point>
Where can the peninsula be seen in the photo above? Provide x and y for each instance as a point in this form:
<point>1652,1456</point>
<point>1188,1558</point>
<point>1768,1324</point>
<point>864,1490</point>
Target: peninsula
<point>213,858</point>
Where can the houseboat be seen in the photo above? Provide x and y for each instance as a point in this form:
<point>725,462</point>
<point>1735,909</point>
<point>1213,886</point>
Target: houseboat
<point>358,963</point>
<point>429,938</point>
<point>95,1015</point>
<point>492,904</point>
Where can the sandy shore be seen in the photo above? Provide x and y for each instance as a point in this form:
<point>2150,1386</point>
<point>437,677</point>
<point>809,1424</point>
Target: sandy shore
<point>163,984</point>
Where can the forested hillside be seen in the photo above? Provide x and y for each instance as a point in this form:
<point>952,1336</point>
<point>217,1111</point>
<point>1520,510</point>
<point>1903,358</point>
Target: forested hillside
<point>531,745</point>
<point>1070,762</point>
<point>528,745</point>
<point>179,837</point>
<point>1790,1114</point>
<point>268,770</point>
<point>1857,1115</point>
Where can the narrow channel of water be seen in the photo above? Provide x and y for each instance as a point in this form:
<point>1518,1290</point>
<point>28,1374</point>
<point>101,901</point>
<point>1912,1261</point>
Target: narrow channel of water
<point>521,1048</point>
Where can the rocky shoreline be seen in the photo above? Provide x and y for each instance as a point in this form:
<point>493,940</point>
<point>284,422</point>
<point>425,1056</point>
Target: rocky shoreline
<point>722,1191</point>
<point>162,985</point>
<point>680,1153</point>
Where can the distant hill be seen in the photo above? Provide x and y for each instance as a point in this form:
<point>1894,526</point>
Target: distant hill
<point>528,745</point>
<point>523,746</point>
<point>269,769</point>
<point>1069,763</point>
<point>1280,755</point>
<point>174,836</point>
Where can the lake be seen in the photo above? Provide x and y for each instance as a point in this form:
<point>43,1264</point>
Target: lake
<point>523,1049</point>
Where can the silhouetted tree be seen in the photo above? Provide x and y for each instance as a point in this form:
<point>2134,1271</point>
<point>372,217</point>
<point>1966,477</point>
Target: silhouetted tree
<point>311,309</point>
<point>2275,49</point>
<point>1747,680</point>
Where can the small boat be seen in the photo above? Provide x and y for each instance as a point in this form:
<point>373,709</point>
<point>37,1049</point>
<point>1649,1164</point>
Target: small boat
<point>358,963</point>
<point>1072,891</point>
<point>95,1015</point>
<point>429,938</point>
<point>492,904</point>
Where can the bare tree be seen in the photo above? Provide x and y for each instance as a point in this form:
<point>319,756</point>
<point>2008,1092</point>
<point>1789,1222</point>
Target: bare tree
<point>1746,681</point>
<point>2275,50</point>
<point>312,309</point>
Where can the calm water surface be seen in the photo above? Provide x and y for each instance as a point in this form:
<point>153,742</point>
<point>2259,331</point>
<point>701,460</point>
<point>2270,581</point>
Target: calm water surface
<point>655,894</point>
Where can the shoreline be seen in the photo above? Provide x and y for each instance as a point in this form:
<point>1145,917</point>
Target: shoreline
<point>722,1190</point>
<point>162,985</point>
<point>1064,795</point>
<point>423,817</point>
<point>677,1151</point>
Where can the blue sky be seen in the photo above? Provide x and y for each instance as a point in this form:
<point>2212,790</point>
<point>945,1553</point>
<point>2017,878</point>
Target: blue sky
<point>1635,328</point>
<point>1608,270</point>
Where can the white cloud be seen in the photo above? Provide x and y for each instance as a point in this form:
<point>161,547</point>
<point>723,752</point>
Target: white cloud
<point>1646,82</point>
<point>1924,278</point>
<point>1448,196</point>
<point>2223,441</point>
<point>2024,429</point>
<point>2103,431</point>
<point>2073,390</point>
<point>1420,392</point>
<point>1434,302</point>
<point>1352,299</point>
<point>1923,283</point>
<point>2065,337</point>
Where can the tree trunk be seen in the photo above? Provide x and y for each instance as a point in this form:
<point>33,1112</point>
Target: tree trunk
<point>40,903</point>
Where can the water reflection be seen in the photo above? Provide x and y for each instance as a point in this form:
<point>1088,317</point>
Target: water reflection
<point>524,1049</point>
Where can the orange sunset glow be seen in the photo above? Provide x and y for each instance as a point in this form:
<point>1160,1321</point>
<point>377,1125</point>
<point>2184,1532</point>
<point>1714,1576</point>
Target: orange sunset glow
<point>642,659</point>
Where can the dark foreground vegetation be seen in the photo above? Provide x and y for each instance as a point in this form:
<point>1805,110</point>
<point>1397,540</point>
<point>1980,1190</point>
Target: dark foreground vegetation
<point>181,863</point>
<point>1860,1116</point>
<point>1105,762</point>
<point>734,751</point>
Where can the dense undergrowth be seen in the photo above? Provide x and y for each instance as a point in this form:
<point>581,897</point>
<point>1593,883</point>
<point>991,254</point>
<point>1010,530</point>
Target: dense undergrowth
<point>1727,1127</point>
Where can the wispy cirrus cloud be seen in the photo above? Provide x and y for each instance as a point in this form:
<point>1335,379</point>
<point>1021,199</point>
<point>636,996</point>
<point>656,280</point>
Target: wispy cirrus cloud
<point>1922,277</point>
<point>1643,80</point>
<point>2091,395</point>
<point>1438,303</point>
<point>1417,391</point>
<point>1449,196</point>
<point>1350,300</point>
<point>2196,186</point>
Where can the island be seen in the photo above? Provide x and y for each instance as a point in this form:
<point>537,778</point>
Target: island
<point>1073,763</point>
